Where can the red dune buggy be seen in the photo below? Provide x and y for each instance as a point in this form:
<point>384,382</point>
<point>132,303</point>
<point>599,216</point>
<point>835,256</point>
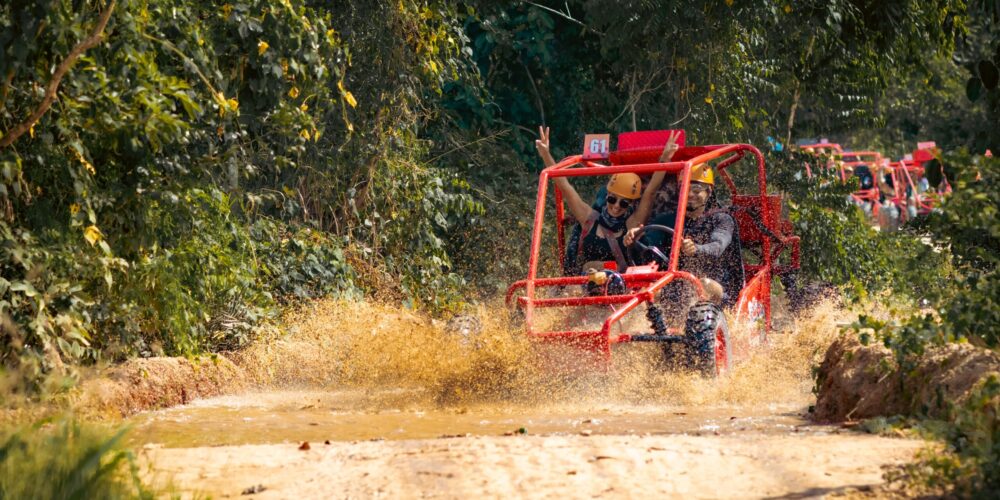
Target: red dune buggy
<point>820,149</point>
<point>914,163</point>
<point>765,238</point>
<point>866,166</point>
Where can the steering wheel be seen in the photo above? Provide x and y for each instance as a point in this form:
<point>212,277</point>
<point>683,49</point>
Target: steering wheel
<point>639,252</point>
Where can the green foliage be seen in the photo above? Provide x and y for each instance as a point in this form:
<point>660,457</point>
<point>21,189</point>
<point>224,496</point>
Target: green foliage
<point>67,459</point>
<point>978,54</point>
<point>197,286</point>
<point>975,437</point>
<point>724,71</point>
<point>45,316</point>
<point>926,102</point>
<point>969,467</point>
<point>968,224</point>
<point>302,263</point>
<point>203,161</point>
<point>968,219</point>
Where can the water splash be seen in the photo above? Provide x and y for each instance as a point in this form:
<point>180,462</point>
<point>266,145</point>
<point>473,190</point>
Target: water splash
<point>340,344</point>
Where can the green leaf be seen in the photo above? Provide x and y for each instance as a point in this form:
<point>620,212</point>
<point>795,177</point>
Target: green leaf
<point>988,74</point>
<point>23,286</point>
<point>973,88</point>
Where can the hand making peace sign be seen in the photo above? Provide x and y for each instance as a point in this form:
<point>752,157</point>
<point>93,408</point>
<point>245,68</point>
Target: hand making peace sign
<point>670,147</point>
<point>542,145</point>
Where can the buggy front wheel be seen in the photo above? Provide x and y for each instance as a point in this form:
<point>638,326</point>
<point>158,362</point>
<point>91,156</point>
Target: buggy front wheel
<point>706,333</point>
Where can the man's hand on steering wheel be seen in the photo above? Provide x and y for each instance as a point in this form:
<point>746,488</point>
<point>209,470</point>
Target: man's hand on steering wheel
<point>637,250</point>
<point>688,247</point>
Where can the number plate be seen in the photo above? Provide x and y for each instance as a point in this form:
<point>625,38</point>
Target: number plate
<point>596,146</point>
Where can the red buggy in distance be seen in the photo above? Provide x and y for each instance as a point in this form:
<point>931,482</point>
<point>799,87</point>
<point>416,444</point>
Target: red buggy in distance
<point>925,200</point>
<point>907,192</point>
<point>855,163</point>
<point>820,149</point>
<point>761,232</point>
<point>901,185</point>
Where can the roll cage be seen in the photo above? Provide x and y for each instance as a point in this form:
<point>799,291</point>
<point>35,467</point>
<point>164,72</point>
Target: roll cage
<point>759,223</point>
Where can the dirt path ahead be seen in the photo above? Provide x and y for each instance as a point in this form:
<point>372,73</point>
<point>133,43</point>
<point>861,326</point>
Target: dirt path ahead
<point>653,432</point>
<point>559,466</point>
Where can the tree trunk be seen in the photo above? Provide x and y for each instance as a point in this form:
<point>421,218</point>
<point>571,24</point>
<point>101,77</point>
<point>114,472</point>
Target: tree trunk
<point>791,112</point>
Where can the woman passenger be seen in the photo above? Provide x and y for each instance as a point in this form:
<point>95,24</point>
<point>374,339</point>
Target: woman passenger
<point>599,232</point>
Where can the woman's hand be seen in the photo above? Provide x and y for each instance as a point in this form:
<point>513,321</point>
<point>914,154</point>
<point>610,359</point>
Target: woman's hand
<point>542,145</point>
<point>670,147</point>
<point>630,235</point>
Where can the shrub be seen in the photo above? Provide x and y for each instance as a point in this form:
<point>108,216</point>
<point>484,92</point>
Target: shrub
<point>969,465</point>
<point>301,262</point>
<point>45,312</point>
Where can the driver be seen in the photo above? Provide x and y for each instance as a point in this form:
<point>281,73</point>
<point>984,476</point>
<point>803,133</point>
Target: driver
<point>599,232</point>
<point>708,249</point>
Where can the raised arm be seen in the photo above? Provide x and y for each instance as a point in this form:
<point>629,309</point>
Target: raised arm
<point>580,209</point>
<point>642,212</point>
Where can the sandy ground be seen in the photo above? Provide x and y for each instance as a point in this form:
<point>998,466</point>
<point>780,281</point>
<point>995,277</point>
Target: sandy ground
<point>557,466</point>
<point>669,435</point>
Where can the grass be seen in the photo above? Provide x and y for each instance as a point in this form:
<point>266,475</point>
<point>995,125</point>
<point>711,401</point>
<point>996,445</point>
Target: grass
<point>66,459</point>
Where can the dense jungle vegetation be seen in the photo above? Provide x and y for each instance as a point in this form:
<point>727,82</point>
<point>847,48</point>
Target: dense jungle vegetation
<point>174,172</point>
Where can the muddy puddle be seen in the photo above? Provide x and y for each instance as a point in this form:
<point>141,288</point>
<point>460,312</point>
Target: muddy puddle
<point>364,385</point>
<point>393,407</point>
<point>293,416</point>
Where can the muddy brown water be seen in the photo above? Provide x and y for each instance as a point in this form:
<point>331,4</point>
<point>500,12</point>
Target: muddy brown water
<point>349,415</point>
<point>367,385</point>
<point>394,408</point>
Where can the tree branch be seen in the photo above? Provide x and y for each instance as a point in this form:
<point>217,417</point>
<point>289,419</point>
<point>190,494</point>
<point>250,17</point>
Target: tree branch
<point>566,15</point>
<point>538,97</point>
<point>91,41</point>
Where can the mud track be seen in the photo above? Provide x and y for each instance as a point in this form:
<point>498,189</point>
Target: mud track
<point>424,417</point>
<point>733,466</point>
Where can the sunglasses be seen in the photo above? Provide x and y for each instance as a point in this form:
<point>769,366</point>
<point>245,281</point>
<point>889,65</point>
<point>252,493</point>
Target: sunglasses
<point>622,202</point>
<point>699,188</point>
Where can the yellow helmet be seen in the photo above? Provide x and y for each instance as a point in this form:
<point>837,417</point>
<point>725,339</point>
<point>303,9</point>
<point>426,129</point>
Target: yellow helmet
<point>626,185</point>
<point>703,173</point>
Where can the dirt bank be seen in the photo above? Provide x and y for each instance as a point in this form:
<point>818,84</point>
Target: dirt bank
<point>858,382</point>
<point>143,384</point>
<point>320,335</point>
<point>740,466</point>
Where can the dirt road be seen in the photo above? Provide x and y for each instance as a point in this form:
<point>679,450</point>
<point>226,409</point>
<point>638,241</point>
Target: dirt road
<point>425,418</point>
<point>748,465</point>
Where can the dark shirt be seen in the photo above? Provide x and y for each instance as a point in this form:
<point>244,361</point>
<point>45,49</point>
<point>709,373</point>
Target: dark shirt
<point>864,174</point>
<point>716,249</point>
<point>595,248</point>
